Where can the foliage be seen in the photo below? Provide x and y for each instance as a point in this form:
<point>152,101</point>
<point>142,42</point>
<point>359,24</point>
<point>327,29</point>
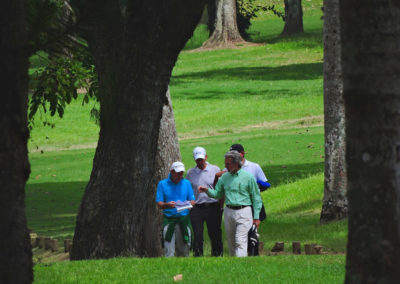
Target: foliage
<point>68,65</point>
<point>50,26</point>
<point>246,10</point>
<point>57,84</point>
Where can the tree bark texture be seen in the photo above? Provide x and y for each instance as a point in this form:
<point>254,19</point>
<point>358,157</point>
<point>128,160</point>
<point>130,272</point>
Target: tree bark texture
<point>226,33</point>
<point>167,153</point>
<point>371,89</point>
<point>134,54</point>
<point>293,17</point>
<point>15,247</point>
<point>335,185</point>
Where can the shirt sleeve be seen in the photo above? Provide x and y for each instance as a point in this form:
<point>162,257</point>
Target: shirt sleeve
<point>160,194</point>
<point>260,174</point>
<point>255,198</point>
<point>218,192</point>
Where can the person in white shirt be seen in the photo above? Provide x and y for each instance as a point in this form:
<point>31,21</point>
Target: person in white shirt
<point>252,168</point>
<point>206,209</point>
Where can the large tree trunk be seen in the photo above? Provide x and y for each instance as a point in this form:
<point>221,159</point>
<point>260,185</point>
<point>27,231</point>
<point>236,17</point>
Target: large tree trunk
<point>293,17</point>
<point>167,153</point>
<point>226,33</point>
<point>134,70</point>
<point>335,186</point>
<point>15,248</point>
<point>371,89</point>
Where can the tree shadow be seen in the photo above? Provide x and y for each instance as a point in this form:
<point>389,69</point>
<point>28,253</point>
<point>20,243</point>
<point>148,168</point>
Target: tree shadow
<point>282,174</point>
<point>224,95</point>
<point>51,208</point>
<point>304,71</point>
<point>310,39</point>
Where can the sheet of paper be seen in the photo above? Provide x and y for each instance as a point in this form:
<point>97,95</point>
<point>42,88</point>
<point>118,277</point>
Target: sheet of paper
<point>182,205</point>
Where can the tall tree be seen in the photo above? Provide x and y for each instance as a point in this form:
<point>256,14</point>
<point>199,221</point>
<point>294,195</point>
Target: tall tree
<point>335,184</point>
<point>371,89</point>
<point>134,49</point>
<point>293,17</point>
<point>16,255</point>
<point>225,31</point>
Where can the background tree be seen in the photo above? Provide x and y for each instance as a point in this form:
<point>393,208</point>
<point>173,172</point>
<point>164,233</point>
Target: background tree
<point>371,89</point>
<point>225,28</point>
<point>16,255</point>
<point>134,49</point>
<point>335,184</point>
<point>293,17</point>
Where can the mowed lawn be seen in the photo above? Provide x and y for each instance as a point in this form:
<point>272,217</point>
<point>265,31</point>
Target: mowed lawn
<point>266,97</point>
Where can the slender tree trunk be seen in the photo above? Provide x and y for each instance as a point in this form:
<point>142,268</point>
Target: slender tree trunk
<point>371,89</point>
<point>134,71</point>
<point>226,31</point>
<point>293,17</point>
<point>167,153</point>
<point>15,248</point>
<point>335,186</point>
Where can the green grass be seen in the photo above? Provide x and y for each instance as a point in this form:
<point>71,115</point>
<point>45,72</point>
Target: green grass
<point>302,269</point>
<point>229,88</point>
<point>266,97</point>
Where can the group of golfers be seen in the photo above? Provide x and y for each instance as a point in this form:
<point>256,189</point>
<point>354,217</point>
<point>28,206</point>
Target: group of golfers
<point>206,189</point>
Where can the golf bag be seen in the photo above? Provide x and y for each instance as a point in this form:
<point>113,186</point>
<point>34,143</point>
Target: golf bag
<point>252,244</point>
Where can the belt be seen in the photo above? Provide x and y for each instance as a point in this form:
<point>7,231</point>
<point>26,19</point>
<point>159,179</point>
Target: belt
<point>205,205</point>
<point>237,207</point>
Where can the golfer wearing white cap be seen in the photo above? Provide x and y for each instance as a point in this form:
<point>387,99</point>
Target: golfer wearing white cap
<point>176,225</point>
<point>207,209</point>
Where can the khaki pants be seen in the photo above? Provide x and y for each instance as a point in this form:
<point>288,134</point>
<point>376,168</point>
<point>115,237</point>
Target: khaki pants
<point>182,248</point>
<point>237,226</point>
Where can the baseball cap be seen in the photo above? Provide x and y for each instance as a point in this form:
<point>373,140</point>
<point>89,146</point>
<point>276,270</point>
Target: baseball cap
<point>199,153</point>
<point>177,167</point>
<point>237,147</point>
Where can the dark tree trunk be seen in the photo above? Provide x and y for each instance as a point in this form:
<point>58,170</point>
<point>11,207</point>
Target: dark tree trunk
<point>335,186</point>
<point>134,70</point>
<point>211,11</point>
<point>371,89</point>
<point>167,153</point>
<point>293,17</point>
<point>226,31</point>
<point>15,248</point>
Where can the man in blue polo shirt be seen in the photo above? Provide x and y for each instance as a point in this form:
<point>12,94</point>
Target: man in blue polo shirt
<point>171,192</point>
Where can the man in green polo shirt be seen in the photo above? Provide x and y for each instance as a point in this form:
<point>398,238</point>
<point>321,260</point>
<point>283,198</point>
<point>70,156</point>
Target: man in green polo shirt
<point>241,192</point>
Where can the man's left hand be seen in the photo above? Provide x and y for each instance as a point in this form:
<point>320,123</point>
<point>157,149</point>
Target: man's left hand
<point>256,222</point>
<point>192,202</point>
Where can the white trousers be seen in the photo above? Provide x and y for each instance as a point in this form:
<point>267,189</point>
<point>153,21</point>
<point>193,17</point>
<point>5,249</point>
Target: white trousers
<point>182,248</point>
<point>237,226</point>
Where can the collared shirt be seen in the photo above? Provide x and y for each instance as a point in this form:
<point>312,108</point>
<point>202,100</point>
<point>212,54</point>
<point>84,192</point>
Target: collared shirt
<point>205,178</point>
<point>255,170</point>
<point>168,191</point>
<point>239,188</point>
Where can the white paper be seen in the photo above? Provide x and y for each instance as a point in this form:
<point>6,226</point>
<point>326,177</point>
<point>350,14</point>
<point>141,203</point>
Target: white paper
<point>182,205</point>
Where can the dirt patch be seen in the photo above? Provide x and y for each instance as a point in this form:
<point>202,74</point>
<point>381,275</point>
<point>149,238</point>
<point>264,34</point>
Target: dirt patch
<point>317,120</point>
<point>226,46</point>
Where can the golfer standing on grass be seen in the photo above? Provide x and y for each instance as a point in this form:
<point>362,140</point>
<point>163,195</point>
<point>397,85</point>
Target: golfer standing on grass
<point>207,209</point>
<point>241,192</point>
<point>176,225</point>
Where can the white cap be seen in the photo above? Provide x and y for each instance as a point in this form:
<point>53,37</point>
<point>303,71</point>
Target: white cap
<point>199,153</point>
<point>177,167</point>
